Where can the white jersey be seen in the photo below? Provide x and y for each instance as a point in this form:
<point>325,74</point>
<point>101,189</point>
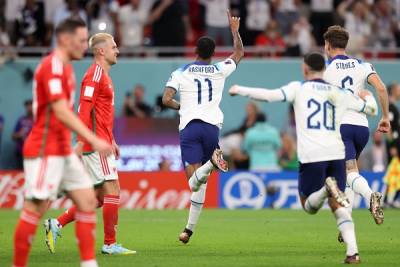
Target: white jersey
<point>319,108</point>
<point>352,74</point>
<point>200,87</point>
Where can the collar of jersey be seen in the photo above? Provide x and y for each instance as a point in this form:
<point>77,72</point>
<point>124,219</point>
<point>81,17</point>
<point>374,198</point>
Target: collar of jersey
<point>343,57</point>
<point>317,81</point>
<point>194,63</point>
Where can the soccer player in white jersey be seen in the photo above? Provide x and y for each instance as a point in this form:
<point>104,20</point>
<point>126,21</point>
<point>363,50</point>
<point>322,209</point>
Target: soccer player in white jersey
<point>200,85</point>
<point>352,73</point>
<point>319,108</point>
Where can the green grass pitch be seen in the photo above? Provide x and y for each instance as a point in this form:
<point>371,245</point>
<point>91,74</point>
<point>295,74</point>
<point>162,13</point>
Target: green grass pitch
<point>223,238</point>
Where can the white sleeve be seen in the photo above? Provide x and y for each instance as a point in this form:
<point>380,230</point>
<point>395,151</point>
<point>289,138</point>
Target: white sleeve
<point>369,69</point>
<point>353,102</point>
<point>173,81</point>
<point>290,90</point>
<point>226,67</point>
<point>285,93</point>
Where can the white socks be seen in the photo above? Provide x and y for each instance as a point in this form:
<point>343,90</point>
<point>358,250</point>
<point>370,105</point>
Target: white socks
<point>359,185</point>
<point>350,195</point>
<point>197,201</point>
<point>200,176</point>
<point>315,201</point>
<point>346,227</point>
<point>89,263</point>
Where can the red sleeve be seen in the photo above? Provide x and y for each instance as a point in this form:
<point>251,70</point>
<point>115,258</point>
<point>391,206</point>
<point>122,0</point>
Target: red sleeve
<point>52,83</point>
<point>88,96</point>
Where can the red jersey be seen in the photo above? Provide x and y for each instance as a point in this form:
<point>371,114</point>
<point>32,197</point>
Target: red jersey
<point>96,104</point>
<point>53,80</point>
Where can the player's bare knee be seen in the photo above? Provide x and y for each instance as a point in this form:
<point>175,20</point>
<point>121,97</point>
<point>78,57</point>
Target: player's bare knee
<point>111,188</point>
<point>85,199</point>
<point>37,206</point>
<point>351,166</point>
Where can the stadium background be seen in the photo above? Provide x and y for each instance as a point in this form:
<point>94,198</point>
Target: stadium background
<point>279,33</point>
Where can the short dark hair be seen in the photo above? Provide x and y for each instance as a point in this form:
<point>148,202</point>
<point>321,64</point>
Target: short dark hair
<point>337,36</point>
<point>315,61</point>
<point>28,102</point>
<point>205,47</point>
<point>69,26</point>
<point>261,117</point>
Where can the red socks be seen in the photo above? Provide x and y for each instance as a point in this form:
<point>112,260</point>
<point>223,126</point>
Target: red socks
<point>85,229</point>
<point>67,217</point>
<point>23,237</point>
<point>110,218</point>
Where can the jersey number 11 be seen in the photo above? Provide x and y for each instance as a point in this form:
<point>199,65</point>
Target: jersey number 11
<point>208,81</point>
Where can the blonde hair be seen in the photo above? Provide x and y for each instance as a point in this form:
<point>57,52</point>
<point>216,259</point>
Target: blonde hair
<point>99,38</point>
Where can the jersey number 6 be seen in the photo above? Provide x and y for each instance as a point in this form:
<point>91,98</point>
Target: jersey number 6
<point>328,115</point>
<point>208,81</point>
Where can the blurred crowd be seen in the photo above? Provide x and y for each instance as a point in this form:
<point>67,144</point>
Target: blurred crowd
<point>280,27</point>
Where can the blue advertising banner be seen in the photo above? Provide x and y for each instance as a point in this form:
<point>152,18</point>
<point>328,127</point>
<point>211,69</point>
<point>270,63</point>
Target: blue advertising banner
<point>273,190</point>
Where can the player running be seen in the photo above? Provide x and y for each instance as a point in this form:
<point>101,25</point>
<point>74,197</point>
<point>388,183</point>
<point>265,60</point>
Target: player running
<point>319,108</point>
<point>352,73</point>
<point>50,164</point>
<point>201,85</point>
<point>96,110</point>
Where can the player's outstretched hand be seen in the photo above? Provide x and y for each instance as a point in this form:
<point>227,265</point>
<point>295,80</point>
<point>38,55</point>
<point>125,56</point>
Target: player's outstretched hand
<point>102,147</point>
<point>233,90</point>
<point>384,125</point>
<point>234,22</point>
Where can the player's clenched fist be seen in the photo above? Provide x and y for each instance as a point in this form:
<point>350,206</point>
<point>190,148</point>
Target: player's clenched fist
<point>234,22</point>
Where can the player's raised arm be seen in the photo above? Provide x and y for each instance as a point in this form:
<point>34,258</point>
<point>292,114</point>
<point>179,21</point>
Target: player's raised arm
<point>238,50</point>
<point>376,82</point>
<point>168,98</point>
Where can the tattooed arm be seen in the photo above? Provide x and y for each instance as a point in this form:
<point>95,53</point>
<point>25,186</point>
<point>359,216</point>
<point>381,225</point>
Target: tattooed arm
<point>238,52</point>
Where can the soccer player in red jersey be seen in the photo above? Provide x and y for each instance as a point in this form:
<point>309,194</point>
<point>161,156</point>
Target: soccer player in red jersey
<point>96,110</point>
<point>50,164</point>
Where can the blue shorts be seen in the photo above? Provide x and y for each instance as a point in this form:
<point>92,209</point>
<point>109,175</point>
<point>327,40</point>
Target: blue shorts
<point>312,175</point>
<point>198,142</point>
<point>355,138</point>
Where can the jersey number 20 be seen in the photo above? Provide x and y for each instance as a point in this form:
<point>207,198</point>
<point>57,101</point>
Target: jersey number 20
<point>209,83</point>
<point>328,111</point>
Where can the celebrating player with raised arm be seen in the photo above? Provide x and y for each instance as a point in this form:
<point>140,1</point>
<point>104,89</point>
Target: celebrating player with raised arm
<point>200,85</point>
<point>319,108</point>
<point>50,164</point>
<point>96,110</point>
<point>352,73</point>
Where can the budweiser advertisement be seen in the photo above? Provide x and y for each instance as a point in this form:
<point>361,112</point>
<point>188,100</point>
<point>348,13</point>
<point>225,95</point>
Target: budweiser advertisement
<point>139,190</point>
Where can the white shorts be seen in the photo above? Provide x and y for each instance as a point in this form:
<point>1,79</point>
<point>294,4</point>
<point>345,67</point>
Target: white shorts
<point>100,168</point>
<point>47,177</point>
